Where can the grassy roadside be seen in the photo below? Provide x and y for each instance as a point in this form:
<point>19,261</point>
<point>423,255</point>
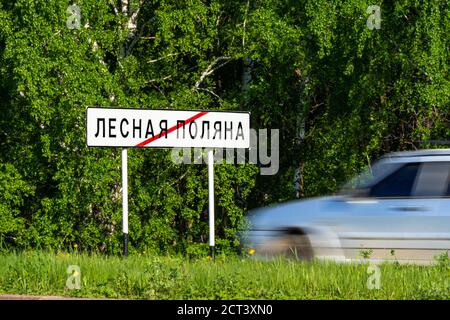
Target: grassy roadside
<point>149,277</point>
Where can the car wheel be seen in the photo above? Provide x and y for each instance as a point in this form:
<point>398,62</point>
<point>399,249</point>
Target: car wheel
<point>298,247</point>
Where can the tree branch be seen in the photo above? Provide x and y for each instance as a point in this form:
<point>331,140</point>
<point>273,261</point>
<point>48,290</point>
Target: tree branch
<point>116,11</point>
<point>210,92</point>
<point>135,40</point>
<point>210,69</point>
<point>124,7</point>
<point>165,78</point>
<point>245,21</point>
<point>164,57</point>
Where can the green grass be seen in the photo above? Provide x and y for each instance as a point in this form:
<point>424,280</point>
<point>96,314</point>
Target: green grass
<point>150,277</point>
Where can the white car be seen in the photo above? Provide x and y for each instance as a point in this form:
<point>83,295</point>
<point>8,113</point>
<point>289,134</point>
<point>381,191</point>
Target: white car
<point>397,209</point>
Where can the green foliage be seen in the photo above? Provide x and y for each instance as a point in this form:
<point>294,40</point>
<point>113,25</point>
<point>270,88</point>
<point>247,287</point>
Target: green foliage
<point>359,93</point>
<point>340,94</point>
<point>366,254</point>
<point>14,190</point>
<point>50,74</point>
<point>443,261</point>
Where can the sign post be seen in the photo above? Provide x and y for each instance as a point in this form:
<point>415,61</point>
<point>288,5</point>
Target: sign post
<point>139,128</point>
<point>211,202</point>
<point>125,200</point>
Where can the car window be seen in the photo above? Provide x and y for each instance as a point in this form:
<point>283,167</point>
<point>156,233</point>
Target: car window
<point>432,180</point>
<point>370,176</point>
<point>398,184</point>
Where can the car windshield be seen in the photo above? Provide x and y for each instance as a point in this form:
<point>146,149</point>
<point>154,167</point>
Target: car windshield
<point>369,176</point>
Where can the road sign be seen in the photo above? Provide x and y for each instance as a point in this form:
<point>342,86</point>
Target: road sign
<point>109,127</point>
<point>127,128</point>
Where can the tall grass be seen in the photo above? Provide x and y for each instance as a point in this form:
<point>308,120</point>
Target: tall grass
<point>156,277</point>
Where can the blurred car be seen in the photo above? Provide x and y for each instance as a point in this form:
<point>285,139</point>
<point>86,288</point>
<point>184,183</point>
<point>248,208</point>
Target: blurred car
<point>397,209</point>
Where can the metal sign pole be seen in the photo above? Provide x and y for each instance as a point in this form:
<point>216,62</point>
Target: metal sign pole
<point>211,201</point>
<point>125,200</point>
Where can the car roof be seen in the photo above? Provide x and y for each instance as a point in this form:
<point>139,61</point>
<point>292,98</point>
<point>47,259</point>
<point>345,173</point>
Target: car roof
<point>419,153</point>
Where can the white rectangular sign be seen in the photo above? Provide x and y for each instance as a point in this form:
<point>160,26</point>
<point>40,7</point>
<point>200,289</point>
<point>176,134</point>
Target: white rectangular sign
<point>115,127</point>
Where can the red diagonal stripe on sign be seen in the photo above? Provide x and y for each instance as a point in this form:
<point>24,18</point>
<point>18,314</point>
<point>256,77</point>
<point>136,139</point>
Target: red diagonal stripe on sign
<point>171,129</point>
